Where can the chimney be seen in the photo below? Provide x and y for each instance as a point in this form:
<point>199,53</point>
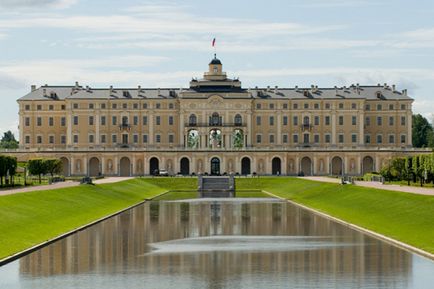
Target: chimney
<point>276,89</point>
<point>296,87</point>
<point>44,92</point>
<point>32,87</point>
<point>385,86</point>
<point>139,88</point>
<point>77,85</point>
<point>393,87</point>
<point>404,92</point>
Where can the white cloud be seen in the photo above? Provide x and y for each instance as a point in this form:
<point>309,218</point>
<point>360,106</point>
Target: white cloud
<point>58,4</point>
<point>338,3</point>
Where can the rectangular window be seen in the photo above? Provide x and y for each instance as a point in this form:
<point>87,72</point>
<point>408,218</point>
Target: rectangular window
<point>391,107</point>
<point>103,138</point>
<point>157,120</point>
<point>170,120</point>
<point>145,138</point>
<point>258,106</point>
<point>327,105</point>
<point>354,120</point>
<point>353,106</point>
<point>327,138</point>
<point>103,120</point>
<point>75,138</point>
<point>63,121</point>
<point>306,106</point>
<point>354,138</point>
<point>341,120</point>
<point>63,139</point>
<point>402,106</point>
<point>124,105</point>
<point>171,138</point>
<point>403,138</point>
<point>295,138</point>
<point>271,138</point>
<point>402,120</point>
<point>91,106</point>
<point>316,120</point>
<point>379,120</point>
<point>379,138</point>
<point>114,120</point>
<point>368,107</point>
<point>75,105</point>
<point>114,138</point>
<point>145,120</point>
<point>91,120</point>
<point>51,139</point>
<point>39,139</point>
<point>171,106</point>
<point>51,107</point>
<point>341,138</point>
<point>271,120</point>
<point>295,120</point>
<point>135,106</point>
<point>327,120</point>
<point>391,139</point>
<point>341,106</point>
<point>285,106</point>
<point>157,138</point>
<point>135,120</point>
<point>379,107</point>
<point>258,138</point>
<point>39,121</point>
<point>103,106</point>
<point>27,121</point>
<point>367,121</point>
<point>316,106</point>
<point>27,107</point>
<point>135,138</point>
<point>295,105</point>
<point>39,107</point>
<point>391,120</point>
<point>316,138</point>
<point>75,120</point>
<point>285,138</point>
<point>91,138</point>
<point>51,121</point>
<point>285,120</point>
<point>258,120</point>
<point>271,105</point>
<point>367,139</point>
<point>114,106</point>
<point>158,105</point>
<point>145,105</point>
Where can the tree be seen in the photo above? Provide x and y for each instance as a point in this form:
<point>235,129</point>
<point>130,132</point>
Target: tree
<point>422,130</point>
<point>8,141</point>
<point>8,168</point>
<point>53,166</point>
<point>37,167</point>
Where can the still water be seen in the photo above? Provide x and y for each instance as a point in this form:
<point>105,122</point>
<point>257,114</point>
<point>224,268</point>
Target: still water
<point>221,243</point>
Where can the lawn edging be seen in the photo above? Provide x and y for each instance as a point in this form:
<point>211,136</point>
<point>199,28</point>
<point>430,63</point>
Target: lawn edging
<point>397,243</point>
<point>27,251</point>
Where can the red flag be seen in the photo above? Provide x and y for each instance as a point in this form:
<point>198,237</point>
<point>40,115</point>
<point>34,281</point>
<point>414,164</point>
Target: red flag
<point>213,42</point>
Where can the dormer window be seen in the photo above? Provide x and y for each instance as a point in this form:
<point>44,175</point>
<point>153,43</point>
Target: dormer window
<point>216,69</point>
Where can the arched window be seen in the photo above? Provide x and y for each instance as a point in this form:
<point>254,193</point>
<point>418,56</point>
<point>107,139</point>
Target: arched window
<point>125,120</point>
<point>192,121</point>
<point>215,119</point>
<point>306,120</point>
<point>238,120</point>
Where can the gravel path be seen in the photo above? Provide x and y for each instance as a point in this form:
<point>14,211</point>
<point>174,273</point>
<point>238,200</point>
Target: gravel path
<point>378,185</point>
<point>60,185</point>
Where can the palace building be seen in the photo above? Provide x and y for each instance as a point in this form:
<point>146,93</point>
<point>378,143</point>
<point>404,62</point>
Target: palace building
<point>216,126</point>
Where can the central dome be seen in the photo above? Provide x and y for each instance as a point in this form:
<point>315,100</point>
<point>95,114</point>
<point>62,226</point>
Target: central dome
<point>215,60</point>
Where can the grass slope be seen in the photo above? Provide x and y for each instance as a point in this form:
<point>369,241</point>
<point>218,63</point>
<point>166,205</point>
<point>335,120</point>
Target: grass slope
<point>405,217</point>
<point>28,219</point>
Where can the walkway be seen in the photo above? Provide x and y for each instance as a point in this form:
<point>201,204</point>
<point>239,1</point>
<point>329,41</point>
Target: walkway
<point>61,185</point>
<point>378,185</point>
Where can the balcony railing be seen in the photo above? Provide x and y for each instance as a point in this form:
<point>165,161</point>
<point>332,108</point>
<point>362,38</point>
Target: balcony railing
<point>219,124</point>
<point>124,126</point>
<point>306,126</point>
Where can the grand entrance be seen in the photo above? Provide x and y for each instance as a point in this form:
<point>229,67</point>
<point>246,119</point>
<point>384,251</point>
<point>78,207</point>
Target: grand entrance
<point>276,166</point>
<point>185,166</point>
<point>125,167</point>
<point>306,166</point>
<point>215,166</point>
<point>337,166</point>
<point>154,166</point>
<point>245,166</point>
<point>94,167</point>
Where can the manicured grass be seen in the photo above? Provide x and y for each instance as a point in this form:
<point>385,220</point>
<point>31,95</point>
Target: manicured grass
<point>172,196</point>
<point>251,194</point>
<point>28,219</point>
<point>402,216</point>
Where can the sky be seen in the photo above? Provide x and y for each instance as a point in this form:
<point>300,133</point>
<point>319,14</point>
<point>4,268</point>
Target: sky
<point>265,43</point>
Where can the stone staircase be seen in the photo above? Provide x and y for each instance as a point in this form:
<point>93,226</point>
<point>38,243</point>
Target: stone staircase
<point>216,187</point>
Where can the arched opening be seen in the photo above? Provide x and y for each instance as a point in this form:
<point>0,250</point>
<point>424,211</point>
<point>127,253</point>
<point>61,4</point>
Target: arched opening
<point>185,166</point>
<point>368,165</point>
<point>125,167</point>
<point>193,139</point>
<point>337,166</point>
<point>154,166</point>
<point>94,168</point>
<point>245,166</point>
<point>238,138</point>
<point>306,120</point>
<point>215,166</point>
<point>276,166</point>
<point>65,167</point>
<point>192,120</point>
<point>215,138</point>
<point>238,120</point>
<point>215,119</point>
<point>306,166</point>
<point>125,120</point>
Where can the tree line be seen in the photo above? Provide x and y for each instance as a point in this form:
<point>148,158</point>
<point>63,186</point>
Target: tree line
<point>8,169</point>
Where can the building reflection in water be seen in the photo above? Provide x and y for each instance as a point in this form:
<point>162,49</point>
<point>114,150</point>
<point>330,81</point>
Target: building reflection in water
<point>122,244</point>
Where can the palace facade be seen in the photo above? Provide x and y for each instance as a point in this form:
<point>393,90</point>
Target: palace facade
<point>216,126</point>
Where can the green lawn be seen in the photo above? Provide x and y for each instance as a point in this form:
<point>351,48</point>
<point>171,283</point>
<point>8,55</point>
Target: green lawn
<point>402,216</point>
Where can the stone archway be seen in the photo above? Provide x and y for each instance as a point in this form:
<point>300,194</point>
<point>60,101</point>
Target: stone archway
<point>65,167</point>
<point>154,166</point>
<point>185,166</point>
<point>245,166</point>
<point>276,166</point>
<point>125,167</point>
<point>368,165</point>
<point>337,166</point>
<point>306,166</point>
<point>94,167</point>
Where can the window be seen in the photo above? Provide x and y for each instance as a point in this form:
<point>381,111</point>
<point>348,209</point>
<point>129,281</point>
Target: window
<point>51,121</point>
<point>316,106</point>
<point>295,120</point>
<point>295,138</point>
<point>353,106</point>
<point>135,105</point>
<point>171,106</point>
<point>403,138</point>
<point>271,138</point>
<point>379,138</point>
<point>238,120</point>
<point>391,107</point>
<point>271,120</point>
<point>103,138</point>
<point>124,105</point>
<point>327,120</point>
<point>135,138</point>
<point>27,139</point>
<point>368,107</point>
<point>354,138</point>
<point>402,120</point>
<point>258,120</point>
<point>306,120</point>
<point>114,120</point>
<point>39,121</point>
<point>63,121</point>
<point>285,106</point>
<point>39,107</point>
<point>114,106</point>
<point>295,105</point>
<point>91,138</point>
<point>391,139</point>
<point>354,120</point>
<point>158,105</point>
<point>327,138</point>
<point>367,121</point>
<point>327,105</point>
<point>27,121</point>
<point>51,107</point>
<point>316,138</point>
<point>402,106</point>
<point>91,105</point>
<point>285,120</point>
<point>379,120</point>
<point>157,138</point>
<point>75,105</point>
<point>170,120</point>
<point>258,138</point>
<point>171,137</point>
<point>125,120</point>
<point>157,120</point>
<point>145,105</point>
<point>145,120</point>
<point>114,138</point>
<point>103,120</point>
<point>135,120</point>
<point>271,105</point>
<point>51,139</point>
<point>75,138</point>
<point>75,120</point>
<point>258,106</point>
<point>316,120</point>
<point>27,107</point>
<point>145,138</point>
<point>341,120</point>
<point>341,138</point>
<point>63,139</point>
<point>103,106</point>
<point>306,106</point>
<point>379,107</point>
<point>192,120</point>
<point>391,120</point>
<point>306,138</point>
<point>367,139</point>
<point>91,120</point>
<point>341,106</point>
<point>39,139</point>
<point>285,138</point>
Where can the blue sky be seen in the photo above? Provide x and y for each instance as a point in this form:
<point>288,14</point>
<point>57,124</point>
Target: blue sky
<point>166,43</point>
